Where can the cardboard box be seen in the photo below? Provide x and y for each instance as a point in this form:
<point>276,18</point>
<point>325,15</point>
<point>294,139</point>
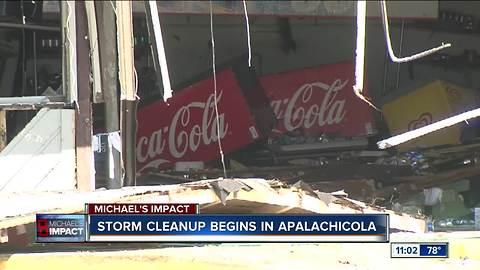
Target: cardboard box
<point>427,104</point>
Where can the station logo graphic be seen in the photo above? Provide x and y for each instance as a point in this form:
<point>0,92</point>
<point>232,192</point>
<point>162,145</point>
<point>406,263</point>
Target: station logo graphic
<point>61,228</point>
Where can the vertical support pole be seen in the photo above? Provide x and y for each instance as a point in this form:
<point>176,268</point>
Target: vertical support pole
<point>107,42</point>
<point>128,91</point>
<point>3,129</point>
<point>83,119</point>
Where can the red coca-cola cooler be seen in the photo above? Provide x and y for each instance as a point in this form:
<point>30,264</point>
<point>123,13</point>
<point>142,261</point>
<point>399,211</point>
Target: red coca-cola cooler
<point>185,129</point>
<point>319,100</point>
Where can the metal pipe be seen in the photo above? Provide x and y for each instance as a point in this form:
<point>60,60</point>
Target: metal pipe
<point>385,75</point>
<point>29,26</point>
<point>400,54</point>
<point>389,43</point>
<point>35,62</point>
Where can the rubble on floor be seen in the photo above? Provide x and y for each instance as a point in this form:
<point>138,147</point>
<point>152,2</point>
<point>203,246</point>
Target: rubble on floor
<point>396,181</point>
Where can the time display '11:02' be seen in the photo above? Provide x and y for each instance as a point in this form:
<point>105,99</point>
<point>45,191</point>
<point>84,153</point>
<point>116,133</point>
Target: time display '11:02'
<point>419,250</point>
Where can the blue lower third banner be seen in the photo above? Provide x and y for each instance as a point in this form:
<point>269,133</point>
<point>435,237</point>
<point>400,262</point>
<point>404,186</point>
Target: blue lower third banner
<point>61,228</point>
<point>239,228</point>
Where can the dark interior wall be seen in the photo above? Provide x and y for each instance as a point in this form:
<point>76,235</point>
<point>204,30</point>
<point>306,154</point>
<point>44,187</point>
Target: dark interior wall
<point>317,41</point>
<point>308,42</point>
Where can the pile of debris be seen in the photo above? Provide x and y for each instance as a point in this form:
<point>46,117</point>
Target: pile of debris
<point>401,182</point>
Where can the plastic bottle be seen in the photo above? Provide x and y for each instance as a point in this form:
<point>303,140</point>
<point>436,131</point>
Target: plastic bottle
<point>430,225</point>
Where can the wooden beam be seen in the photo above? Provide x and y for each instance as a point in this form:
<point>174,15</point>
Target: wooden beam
<point>33,107</point>
<point>125,49</point>
<point>83,123</point>
<point>94,55</point>
<point>128,91</point>
<point>69,59</point>
<point>32,103</point>
<point>107,36</point>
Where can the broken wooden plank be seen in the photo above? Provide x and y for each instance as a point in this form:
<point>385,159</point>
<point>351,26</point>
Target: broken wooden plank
<point>33,107</point>
<point>125,50</point>
<point>129,95</point>
<point>252,196</point>
<point>358,189</point>
<point>32,103</point>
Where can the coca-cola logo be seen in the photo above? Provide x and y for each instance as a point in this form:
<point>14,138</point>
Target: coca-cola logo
<point>423,120</point>
<point>300,110</point>
<point>182,135</point>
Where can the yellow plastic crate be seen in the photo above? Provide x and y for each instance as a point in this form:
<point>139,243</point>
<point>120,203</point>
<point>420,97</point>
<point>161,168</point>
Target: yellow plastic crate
<point>430,103</point>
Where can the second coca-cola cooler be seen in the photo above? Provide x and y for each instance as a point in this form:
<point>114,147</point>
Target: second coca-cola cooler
<point>319,100</point>
<point>185,129</point>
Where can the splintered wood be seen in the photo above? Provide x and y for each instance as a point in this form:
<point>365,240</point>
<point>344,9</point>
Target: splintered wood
<point>252,195</point>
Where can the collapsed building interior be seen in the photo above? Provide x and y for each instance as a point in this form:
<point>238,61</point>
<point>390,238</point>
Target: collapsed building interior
<point>286,110</point>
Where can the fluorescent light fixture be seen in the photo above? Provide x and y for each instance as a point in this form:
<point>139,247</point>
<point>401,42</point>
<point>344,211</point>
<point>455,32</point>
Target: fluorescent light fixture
<point>410,135</point>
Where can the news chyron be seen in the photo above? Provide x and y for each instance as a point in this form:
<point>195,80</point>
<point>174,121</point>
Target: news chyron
<point>177,222</point>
